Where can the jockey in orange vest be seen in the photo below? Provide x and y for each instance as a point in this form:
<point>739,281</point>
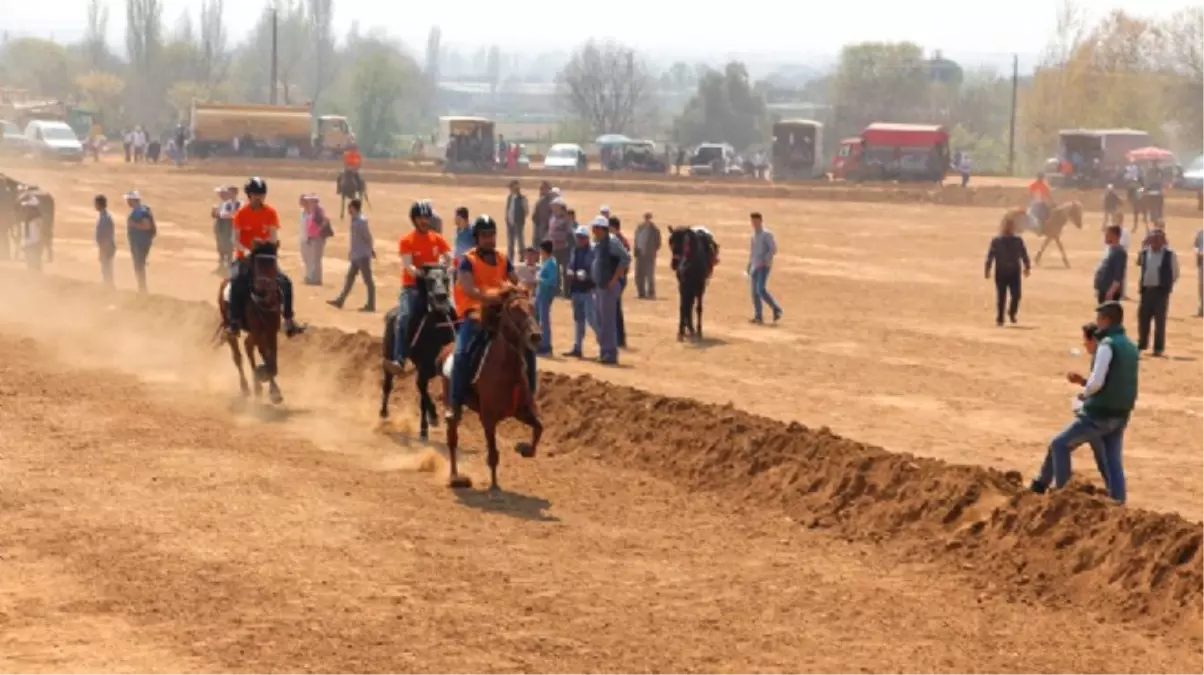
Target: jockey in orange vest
<point>483,272</point>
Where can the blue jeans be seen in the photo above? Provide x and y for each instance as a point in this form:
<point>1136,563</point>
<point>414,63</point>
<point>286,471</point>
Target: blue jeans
<point>583,315</point>
<point>405,309</point>
<point>1106,437</point>
<point>759,277</point>
<point>543,316</point>
<point>461,380</point>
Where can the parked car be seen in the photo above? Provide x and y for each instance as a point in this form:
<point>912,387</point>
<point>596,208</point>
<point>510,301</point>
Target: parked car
<point>566,157</point>
<point>1193,175</point>
<point>12,141</point>
<point>53,140</point>
<point>715,159</point>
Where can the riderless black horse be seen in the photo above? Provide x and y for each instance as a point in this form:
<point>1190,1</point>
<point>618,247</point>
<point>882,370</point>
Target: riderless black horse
<point>695,254</point>
<point>431,327</point>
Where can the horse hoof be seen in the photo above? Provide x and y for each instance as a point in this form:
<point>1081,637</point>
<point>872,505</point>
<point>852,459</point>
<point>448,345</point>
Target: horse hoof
<point>384,414</point>
<point>458,482</point>
<point>423,436</point>
<point>524,450</point>
<point>276,397</point>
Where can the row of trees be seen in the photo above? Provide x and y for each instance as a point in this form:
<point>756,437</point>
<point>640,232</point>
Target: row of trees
<point>1121,71</point>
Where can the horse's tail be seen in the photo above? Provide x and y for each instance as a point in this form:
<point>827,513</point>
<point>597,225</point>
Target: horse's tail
<point>219,336</point>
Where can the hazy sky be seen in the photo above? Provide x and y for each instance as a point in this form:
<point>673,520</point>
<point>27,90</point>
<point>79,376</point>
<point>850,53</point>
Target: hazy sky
<point>778,27</point>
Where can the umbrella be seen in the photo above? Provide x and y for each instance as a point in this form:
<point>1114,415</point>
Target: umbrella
<point>1150,154</point>
<point>612,139</point>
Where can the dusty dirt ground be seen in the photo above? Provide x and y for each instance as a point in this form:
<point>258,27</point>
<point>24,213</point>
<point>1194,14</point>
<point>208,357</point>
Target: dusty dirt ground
<point>153,524</point>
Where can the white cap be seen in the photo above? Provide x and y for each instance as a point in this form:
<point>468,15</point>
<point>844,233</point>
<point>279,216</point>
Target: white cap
<point>558,202</point>
<point>555,191</point>
<point>133,194</point>
<point>581,231</point>
<point>600,221</point>
<point>604,209</point>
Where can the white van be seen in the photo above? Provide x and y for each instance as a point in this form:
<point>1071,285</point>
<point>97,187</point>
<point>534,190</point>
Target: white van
<point>565,157</point>
<point>53,140</point>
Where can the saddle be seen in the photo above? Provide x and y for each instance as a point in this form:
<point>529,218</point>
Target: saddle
<point>476,357</point>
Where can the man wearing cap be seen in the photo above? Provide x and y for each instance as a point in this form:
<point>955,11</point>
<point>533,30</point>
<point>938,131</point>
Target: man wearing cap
<point>1159,272</point>
<point>610,263</point>
<point>581,289</point>
<point>1107,400</point>
<point>140,230</point>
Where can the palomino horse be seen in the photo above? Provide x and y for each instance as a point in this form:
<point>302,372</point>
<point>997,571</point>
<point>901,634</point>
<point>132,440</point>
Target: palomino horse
<point>350,184</point>
<point>499,389</point>
<point>695,253</point>
<point>262,322</point>
<point>431,328</point>
<point>1053,227</point>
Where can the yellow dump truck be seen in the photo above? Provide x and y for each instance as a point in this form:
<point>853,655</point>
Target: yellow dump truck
<point>265,130</point>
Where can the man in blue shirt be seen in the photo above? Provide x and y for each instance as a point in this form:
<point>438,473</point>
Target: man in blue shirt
<point>610,263</point>
<point>141,229</point>
<point>581,289</point>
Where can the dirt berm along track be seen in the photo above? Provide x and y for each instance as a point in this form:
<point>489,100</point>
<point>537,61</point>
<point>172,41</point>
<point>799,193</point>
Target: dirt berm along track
<point>1072,548</point>
<point>1177,203</point>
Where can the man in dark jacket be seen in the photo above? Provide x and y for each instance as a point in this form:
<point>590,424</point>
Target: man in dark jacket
<point>541,214</point>
<point>516,220</point>
<point>1110,275</point>
<point>581,289</point>
<point>1008,253</point>
<point>1104,407</point>
<point>1159,272</point>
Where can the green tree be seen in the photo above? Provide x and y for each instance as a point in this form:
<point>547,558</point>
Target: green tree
<point>42,66</point>
<point>383,83</point>
<point>726,108</point>
<point>880,81</point>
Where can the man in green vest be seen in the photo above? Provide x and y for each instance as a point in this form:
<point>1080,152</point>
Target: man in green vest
<point>1103,407</point>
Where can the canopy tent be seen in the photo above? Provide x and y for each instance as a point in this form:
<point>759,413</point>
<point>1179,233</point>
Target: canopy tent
<point>1150,154</point>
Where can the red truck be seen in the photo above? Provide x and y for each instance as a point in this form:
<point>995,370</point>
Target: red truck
<point>889,151</point>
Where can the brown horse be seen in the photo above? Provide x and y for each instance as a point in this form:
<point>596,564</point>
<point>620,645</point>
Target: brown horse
<point>1052,229</point>
<point>262,324</point>
<point>350,184</point>
<point>500,389</point>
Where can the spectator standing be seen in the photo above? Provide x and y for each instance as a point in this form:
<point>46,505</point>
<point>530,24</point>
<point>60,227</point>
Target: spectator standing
<point>620,323</point>
<point>561,234</point>
<point>106,239</point>
<point>223,227</point>
<point>436,221</point>
<point>581,287</point>
<point>318,229</point>
<point>360,254</point>
<point>1110,275</point>
<point>1104,407</point>
<point>127,144</point>
<point>1159,272</point>
<point>140,231</point>
<point>140,141</point>
<point>681,159</point>
<point>609,265</point>
<point>516,219</point>
<point>33,239</point>
<point>464,242</point>
<point>1199,247</point>
<point>1008,253</point>
<point>963,167</point>
<point>647,245</point>
<point>527,272</point>
<point>542,213</point>
<point>1111,205</point>
<point>762,250</point>
<point>548,287</point>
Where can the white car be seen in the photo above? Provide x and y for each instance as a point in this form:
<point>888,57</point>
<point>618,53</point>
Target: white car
<point>53,140</point>
<point>1193,175</point>
<point>565,157</point>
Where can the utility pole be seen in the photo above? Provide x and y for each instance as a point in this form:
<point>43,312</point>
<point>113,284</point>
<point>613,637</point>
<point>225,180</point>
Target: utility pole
<point>1011,134</point>
<point>275,22</point>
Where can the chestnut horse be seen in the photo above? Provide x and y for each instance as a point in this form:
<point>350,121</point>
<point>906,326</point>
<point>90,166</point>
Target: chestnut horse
<point>262,323</point>
<point>499,389</point>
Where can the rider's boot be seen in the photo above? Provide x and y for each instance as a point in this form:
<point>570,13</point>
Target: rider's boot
<point>291,327</point>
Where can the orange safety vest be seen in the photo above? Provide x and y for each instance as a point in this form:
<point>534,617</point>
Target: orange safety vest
<point>486,276</point>
<point>352,159</point>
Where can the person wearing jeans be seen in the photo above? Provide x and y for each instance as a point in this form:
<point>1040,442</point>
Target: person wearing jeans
<point>546,290</point>
<point>516,220</point>
<point>1108,398</point>
<point>421,246</point>
<point>360,254</point>
<point>581,290</point>
<point>1008,254</point>
<point>610,263</point>
<point>760,261</point>
<point>141,234</point>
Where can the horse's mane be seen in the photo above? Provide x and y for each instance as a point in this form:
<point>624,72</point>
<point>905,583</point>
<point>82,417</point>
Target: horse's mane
<point>264,248</point>
<point>491,313</point>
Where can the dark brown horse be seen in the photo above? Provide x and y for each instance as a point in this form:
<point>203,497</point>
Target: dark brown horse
<point>499,389</point>
<point>350,184</point>
<point>262,322</point>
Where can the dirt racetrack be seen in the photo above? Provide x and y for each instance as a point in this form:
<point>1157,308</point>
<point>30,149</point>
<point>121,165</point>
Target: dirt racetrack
<point>688,523</point>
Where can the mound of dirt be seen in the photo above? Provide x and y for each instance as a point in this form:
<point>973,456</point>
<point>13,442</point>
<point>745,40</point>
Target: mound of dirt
<point>1069,548</point>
